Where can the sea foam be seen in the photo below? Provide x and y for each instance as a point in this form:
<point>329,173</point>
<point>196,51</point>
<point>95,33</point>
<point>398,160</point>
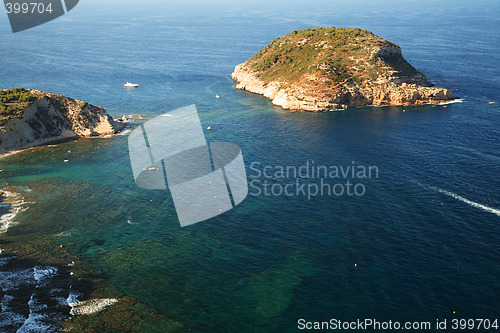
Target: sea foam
<point>453,101</point>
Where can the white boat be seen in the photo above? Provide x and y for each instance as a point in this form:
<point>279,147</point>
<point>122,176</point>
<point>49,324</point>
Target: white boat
<point>217,96</point>
<point>131,85</point>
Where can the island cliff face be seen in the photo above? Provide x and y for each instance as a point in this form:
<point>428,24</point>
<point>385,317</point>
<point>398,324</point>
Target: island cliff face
<point>30,118</point>
<point>330,69</point>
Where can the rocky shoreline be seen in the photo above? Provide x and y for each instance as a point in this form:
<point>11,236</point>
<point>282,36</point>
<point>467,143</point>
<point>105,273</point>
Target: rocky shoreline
<point>296,99</point>
<point>51,118</point>
<point>11,203</point>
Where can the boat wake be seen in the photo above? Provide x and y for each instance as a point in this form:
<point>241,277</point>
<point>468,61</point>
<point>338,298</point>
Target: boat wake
<point>458,100</point>
<point>467,201</point>
<point>126,131</point>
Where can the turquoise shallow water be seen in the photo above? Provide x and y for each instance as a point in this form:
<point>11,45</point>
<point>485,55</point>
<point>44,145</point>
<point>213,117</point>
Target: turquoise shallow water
<point>421,251</point>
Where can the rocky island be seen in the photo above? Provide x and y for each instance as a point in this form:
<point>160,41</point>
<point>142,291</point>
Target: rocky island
<point>335,68</point>
<point>31,117</point>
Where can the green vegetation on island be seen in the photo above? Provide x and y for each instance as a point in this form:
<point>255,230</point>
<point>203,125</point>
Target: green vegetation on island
<point>338,54</point>
<point>332,68</point>
<point>12,102</point>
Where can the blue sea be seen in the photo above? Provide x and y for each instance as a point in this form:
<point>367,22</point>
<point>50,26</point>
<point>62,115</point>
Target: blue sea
<point>420,244</point>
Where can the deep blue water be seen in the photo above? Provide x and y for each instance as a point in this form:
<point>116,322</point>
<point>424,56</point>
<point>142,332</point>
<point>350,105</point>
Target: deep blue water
<point>421,243</point>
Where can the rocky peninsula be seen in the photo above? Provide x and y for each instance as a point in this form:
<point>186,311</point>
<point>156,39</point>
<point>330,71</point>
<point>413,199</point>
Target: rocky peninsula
<point>324,69</point>
<point>31,118</point>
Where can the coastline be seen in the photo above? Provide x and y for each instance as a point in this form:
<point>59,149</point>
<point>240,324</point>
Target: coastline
<point>297,98</point>
<point>79,294</point>
<point>58,140</point>
<point>11,203</point>
<point>63,282</point>
<point>50,118</point>
<point>48,142</point>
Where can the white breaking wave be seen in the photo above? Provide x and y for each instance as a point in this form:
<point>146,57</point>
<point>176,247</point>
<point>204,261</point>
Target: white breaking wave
<point>126,131</point>
<point>35,276</point>
<point>36,322</point>
<point>16,279</point>
<point>42,273</point>
<point>4,260</point>
<point>42,315</point>
<point>73,298</point>
<point>8,317</point>
<point>5,302</point>
<point>467,201</point>
<point>458,100</point>
<point>12,208</point>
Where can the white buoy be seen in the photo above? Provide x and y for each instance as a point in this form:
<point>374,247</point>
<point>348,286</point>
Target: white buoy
<point>209,128</point>
<point>217,96</point>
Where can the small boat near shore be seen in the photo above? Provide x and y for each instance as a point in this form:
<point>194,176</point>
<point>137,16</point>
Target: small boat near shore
<point>131,85</point>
